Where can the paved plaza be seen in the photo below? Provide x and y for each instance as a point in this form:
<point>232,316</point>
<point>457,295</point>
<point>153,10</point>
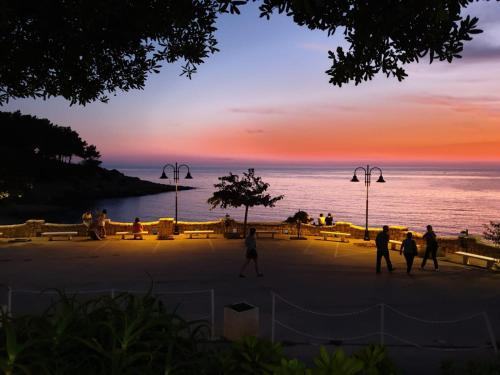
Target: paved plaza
<point>321,276</point>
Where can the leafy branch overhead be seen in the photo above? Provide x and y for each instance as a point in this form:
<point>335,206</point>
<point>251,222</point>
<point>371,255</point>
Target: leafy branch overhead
<point>84,51</point>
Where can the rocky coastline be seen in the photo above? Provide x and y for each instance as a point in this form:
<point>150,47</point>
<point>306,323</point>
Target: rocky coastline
<point>75,187</point>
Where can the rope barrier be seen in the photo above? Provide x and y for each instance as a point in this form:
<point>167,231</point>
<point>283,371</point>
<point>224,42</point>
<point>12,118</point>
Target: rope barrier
<point>326,314</point>
<point>446,349</point>
<point>453,321</point>
<point>381,331</point>
<point>324,337</point>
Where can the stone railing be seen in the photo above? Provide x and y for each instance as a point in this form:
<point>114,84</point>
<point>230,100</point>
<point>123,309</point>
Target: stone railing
<point>164,228</point>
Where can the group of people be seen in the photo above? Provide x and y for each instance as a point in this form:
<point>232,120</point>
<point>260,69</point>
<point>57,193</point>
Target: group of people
<point>408,249</point>
<point>96,225</point>
<point>325,220</point>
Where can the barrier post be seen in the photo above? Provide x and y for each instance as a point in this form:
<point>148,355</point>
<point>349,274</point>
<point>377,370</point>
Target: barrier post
<point>212,313</point>
<point>273,313</point>
<point>491,333</point>
<point>382,322</point>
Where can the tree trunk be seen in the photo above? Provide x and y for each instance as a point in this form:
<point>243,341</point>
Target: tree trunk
<point>245,222</point>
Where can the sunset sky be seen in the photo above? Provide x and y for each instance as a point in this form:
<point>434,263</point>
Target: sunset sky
<point>265,97</point>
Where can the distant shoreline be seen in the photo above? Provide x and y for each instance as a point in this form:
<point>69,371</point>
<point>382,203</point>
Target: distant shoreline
<point>65,196</point>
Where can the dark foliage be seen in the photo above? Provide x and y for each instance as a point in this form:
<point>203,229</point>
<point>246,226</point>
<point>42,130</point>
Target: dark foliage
<point>129,334</point>
<point>301,216</point>
<point>383,35</point>
<point>26,137</point>
<point>136,334</point>
<point>31,148</point>
<point>472,367</point>
<point>492,232</point>
<point>83,50</point>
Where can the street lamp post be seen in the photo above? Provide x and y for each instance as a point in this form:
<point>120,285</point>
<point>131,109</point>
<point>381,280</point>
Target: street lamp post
<point>368,174</point>
<point>176,169</point>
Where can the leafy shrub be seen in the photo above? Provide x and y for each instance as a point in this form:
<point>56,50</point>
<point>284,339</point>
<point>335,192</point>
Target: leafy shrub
<point>376,361</point>
<point>134,334</point>
<point>128,334</point>
<point>302,216</point>
<point>251,356</point>
<point>492,232</point>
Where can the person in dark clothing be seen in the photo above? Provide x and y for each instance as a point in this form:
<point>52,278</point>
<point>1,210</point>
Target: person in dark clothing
<point>431,248</point>
<point>382,242</point>
<point>251,252</point>
<point>329,219</point>
<point>409,249</point>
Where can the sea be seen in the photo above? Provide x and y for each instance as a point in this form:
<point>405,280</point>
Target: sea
<point>450,198</point>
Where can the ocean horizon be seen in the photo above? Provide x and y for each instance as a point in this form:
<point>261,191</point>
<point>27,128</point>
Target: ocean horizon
<point>452,198</point>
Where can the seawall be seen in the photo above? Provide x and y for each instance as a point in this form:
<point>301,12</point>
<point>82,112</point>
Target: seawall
<point>164,229</point>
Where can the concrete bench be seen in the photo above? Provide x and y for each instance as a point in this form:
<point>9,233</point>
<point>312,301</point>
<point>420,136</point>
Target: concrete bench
<point>51,235</point>
<point>395,245</point>
<point>342,235</point>
<point>466,256</point>
<point>137,234</point>
<point>271,232</point>
<point>191,232</point>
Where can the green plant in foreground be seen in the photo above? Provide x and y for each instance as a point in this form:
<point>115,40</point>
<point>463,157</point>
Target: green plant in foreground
<point>336,363</point>
<point>251,356</point>
<point>135,334</point>
<point>129,334</point>
<point>376,361</point>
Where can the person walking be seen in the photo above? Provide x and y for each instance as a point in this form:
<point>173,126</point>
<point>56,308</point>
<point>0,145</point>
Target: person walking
<point>409,249</point>
<point>431,248</point>
<point>251,253</point>
<point>382,242</point>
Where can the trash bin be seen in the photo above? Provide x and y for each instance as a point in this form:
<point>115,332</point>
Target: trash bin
<point>240,319</point>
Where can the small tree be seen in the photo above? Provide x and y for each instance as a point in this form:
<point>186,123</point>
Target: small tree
<point>492,232</point>
<point>249,191</point>
<point>302,216</point>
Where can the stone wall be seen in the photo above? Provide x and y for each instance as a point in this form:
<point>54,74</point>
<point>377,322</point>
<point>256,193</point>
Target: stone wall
<point>164,229</point>
<point>114,226</point>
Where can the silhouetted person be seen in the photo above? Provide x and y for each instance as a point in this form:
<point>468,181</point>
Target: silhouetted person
<point>329,219</point>
<point>321,220</point>
<point>382,242</point>
<point>87,218</point>
<point>409,249</point>
<point>137,229</point>
<point>94,230</point>
<point>431,248</point>
<point>101,223</point>
<point>251,252</point>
